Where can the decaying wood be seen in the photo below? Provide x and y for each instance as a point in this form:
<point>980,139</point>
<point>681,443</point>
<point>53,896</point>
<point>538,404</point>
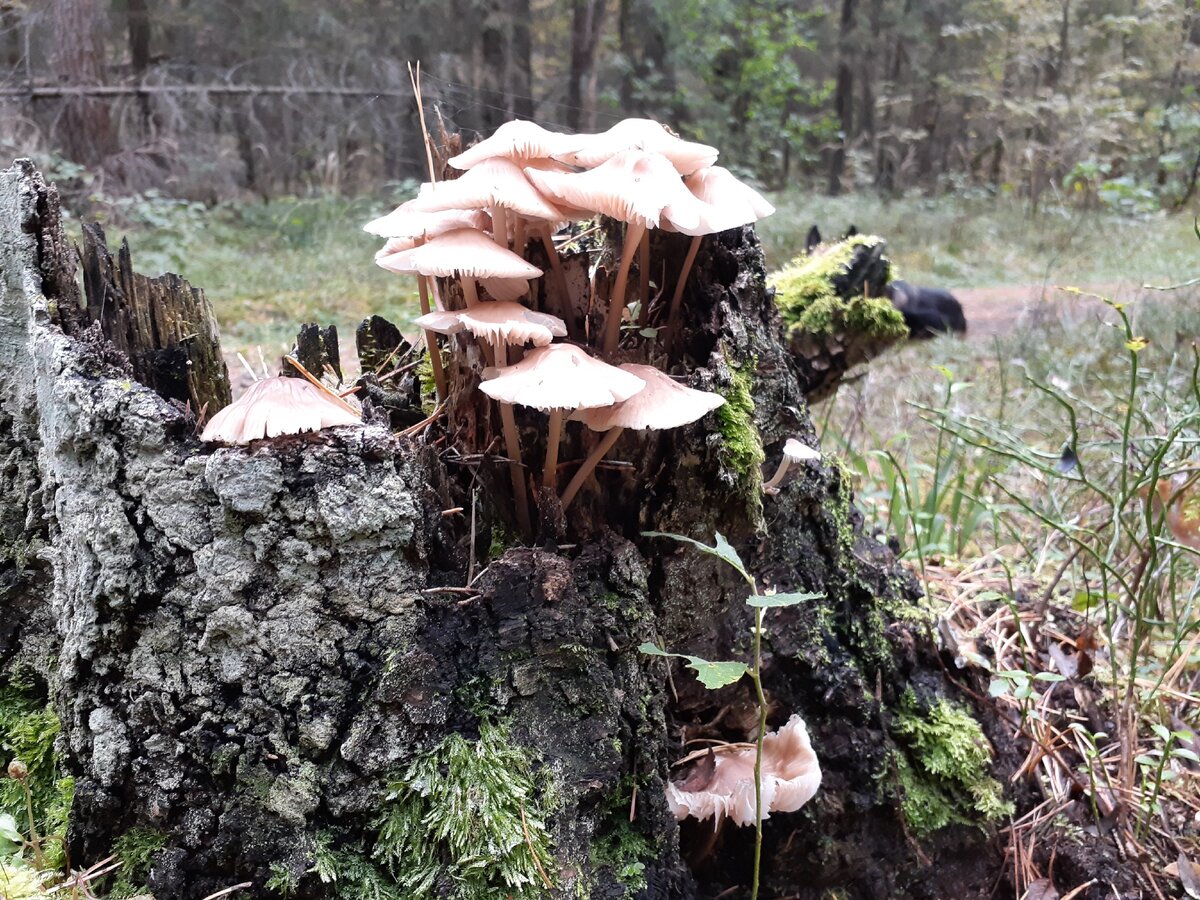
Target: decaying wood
<point>163,325</point>
<point>245,646</point>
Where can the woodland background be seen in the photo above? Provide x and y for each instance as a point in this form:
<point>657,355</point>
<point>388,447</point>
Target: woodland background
<point>1093,102</point>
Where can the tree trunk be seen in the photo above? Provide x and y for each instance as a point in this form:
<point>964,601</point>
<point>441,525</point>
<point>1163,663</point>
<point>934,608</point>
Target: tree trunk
<point>843,97</point>
<point>587,26</point>
<point>256,653</point>
<point>86,131</point>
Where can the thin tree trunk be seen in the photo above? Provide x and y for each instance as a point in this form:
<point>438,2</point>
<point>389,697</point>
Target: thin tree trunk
<point>587,26</point>
<point>86,131</point>
<point>843,97</point>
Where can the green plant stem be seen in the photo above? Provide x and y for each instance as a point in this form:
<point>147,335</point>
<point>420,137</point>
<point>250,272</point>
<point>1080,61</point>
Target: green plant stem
<point>756,676</point>
<point>39,859</point>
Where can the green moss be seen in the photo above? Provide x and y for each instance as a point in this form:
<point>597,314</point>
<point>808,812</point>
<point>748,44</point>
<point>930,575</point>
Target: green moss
<point>21,881</point>
<point>945,776</point>
<point>135,849</point>
<point>428,385</point>
<point>468,817</point>
<point>808,302</point>
<point>619,847</point>
<point>502,539</point>
<point>350,873</point>
<point>283,880</point>
<point>28,727</point>
<point>741,444</point>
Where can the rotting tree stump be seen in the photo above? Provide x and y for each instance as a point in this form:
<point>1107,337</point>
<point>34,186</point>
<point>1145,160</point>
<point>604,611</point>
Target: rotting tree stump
<point>247,646</point>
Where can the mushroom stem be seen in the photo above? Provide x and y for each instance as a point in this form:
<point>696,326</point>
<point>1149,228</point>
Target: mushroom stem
<point>512,446</point>
<point>612,332</point>
<point>564,310</point>
<point>677,297</point>
<point>644,279</point>
<point>550,475</point>
<point>470,294</point>
<point>589,464</point>
<point>772,486</point>
<point>519,236</point>
<point>500,226</point>
<point>431,344</point>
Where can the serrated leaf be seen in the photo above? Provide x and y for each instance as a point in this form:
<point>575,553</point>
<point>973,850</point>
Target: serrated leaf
<point>771,601</point>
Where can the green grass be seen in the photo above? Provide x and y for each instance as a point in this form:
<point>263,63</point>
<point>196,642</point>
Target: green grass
<point>956,243</point>
<point>269,267</point>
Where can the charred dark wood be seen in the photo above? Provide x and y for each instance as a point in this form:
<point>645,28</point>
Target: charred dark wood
<point>379,343</point>
<point>316,349</point>
<point>163,325</point>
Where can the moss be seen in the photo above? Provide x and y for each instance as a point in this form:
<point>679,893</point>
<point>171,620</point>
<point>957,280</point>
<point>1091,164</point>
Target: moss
<point>428,385</point>
<point>741,444</point>
<point>28,727</point>
<point>283,880</point>
<point>502,539</point>
<point>135,849</point>
<point>467,820</point>
<point>618,846</point>
<point>21,881</point>
<point>350,873</point>
<point>808,300</point>
<point>945,777</point>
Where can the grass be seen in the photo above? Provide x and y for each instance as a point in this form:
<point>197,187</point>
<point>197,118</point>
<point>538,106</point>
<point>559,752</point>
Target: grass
<point>269,266</point>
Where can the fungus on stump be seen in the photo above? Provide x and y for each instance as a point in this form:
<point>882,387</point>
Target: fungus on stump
<point>253,659</point>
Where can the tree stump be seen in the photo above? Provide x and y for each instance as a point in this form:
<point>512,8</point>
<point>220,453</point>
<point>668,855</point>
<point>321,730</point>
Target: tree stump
<point>271,666</point>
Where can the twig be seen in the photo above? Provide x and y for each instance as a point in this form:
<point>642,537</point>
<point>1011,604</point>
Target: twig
<point>317,383</point>
<point>532,852</point>
<point>230,890</point>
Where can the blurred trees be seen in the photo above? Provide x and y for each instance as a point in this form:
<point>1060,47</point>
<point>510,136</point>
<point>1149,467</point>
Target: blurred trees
<point>1094,99</point>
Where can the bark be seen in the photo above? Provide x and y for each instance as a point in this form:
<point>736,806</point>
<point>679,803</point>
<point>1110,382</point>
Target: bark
<point>250,644</point>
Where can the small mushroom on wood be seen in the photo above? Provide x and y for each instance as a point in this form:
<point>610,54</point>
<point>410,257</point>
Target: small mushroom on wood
<point>277,406</point>
<point>590,150</point>
<point>663,404</point>
<point>724,202</point>
<point>464,253</point>
<point>793,452</point>
<point>791,775</point>
<point>516,140</point>
<point>636,187</point>
<point>557,378</point>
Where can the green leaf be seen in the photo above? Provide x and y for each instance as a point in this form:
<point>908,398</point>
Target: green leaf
<point>11,839</point>
<point>771,601</point>
<point>722,550</point>
<point>1184,753</point>
<point>998,688</point>
<point>1049,676</point>
<point>715,675</point>
<point>712,675</point>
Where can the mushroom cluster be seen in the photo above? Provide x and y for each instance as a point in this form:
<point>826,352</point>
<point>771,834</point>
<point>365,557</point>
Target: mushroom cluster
<point>522,184</point>
<point>722,786</point>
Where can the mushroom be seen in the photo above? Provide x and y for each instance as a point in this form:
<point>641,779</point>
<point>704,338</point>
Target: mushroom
<point>725,202</point>
<point>791,775</point>
<point>636,187</point>
<point>463,253</point>
<point>404,223</point>
<point>663,404</point>
<point>497,185</point>
<point>793,452</point>
<point>590,150</point>
<point>275,406</point>
<point>516,140</point>
<point>502,323</point>
<point>405,229</point>
<point>557,378</point>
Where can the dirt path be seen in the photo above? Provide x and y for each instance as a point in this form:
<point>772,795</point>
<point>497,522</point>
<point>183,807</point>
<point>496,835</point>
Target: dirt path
<point>995,311</point>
